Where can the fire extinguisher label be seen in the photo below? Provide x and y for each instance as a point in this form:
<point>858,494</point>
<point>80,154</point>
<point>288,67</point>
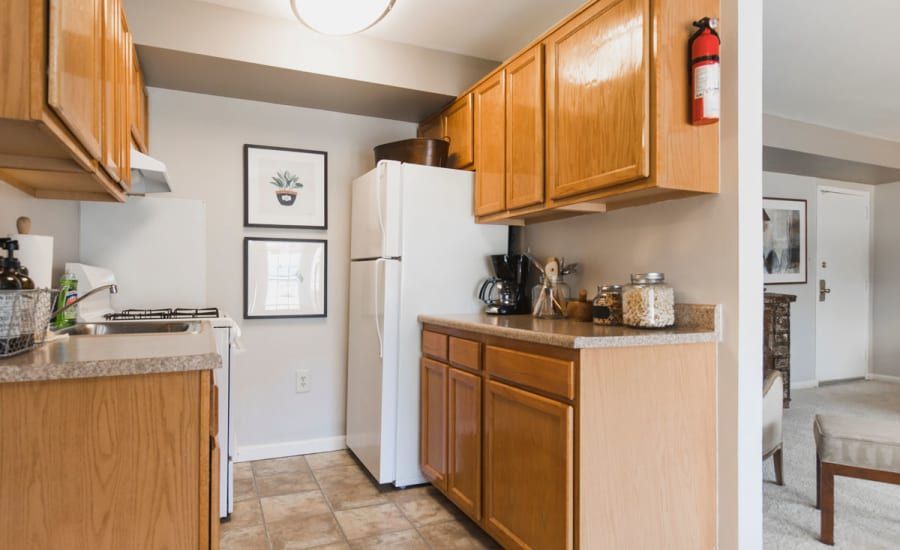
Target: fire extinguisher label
<point>706,88</point>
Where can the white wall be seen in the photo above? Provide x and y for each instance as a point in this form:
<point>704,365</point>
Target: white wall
<point>887,281</point>
<point>201,138</point>
<point>48,217</point>
<point>709,247</point>
<point>803,311</point>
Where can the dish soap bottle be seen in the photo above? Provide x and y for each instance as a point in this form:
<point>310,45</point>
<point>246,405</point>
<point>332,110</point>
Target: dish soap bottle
<point>9,278</point>
<point>68,293</point>
<point>11,263</point>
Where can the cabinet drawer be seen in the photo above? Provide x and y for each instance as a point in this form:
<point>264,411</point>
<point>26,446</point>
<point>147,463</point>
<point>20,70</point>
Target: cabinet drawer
<point>434,345</point>
<point>556,376</point>
<point>465,353</point>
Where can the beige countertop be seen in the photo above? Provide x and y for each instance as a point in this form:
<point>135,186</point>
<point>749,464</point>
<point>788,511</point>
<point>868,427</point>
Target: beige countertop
<point>693,324</point>
<point>114,355</point>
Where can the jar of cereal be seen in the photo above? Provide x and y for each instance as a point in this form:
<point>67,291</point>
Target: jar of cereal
<point>608,305</point>
<point>648,302</point>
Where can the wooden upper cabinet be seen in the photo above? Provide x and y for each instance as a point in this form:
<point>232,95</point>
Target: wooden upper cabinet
<point>528,472</point>
<point>138,105</point>
<point>111,96</point>
<point>122,102</point>
<point>74,73</point>
<point>432,128</point>
<point>464,442</point>
<point>457,125</point>
<point>598,97</point>
<point>434,422</point>
<point>525,129</point>
<point>490,153</point>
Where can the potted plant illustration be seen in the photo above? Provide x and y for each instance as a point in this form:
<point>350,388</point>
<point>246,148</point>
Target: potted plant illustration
<point>286,184</point>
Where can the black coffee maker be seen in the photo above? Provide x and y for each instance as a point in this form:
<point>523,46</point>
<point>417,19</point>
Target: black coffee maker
<point>506,293</point>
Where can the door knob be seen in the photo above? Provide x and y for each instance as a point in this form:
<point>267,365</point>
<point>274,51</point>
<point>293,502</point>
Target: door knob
<point>823,290</point>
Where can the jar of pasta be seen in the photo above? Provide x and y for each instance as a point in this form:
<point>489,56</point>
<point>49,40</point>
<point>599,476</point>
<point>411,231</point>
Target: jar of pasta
<point>648,302</point>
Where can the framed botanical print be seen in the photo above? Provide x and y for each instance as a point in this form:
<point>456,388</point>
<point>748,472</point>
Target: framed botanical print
<point>285,278</point>
<point>784,241</point>
<point>285,187</point>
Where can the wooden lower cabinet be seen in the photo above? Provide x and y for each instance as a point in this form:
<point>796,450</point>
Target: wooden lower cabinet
<point>556,448</point>
<point>527,468</point>
<point>464,442</point>
<point>433,421</point>
<point>109,463</point>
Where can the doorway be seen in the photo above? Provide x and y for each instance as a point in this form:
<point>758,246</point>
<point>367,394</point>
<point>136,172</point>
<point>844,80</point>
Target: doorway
<point>843,307</point>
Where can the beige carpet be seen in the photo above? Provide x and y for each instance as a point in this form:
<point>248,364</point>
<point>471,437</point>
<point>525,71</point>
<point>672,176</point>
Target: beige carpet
<point>867,514</point>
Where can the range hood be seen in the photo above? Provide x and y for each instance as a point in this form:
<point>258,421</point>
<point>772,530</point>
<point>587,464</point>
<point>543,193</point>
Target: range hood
<point>148,175</point>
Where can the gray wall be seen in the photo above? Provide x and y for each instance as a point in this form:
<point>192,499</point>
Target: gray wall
<point>48,217</point>
<point>887,280</point>
<point>803,311</point>
<point>200,138</point>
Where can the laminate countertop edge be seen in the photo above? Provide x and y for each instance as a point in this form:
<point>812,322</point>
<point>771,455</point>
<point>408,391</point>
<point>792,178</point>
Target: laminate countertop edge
<point>695,324</point>
<point>114,355</point>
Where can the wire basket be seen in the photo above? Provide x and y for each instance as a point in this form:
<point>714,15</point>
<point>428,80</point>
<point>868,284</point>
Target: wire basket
<point>24,318</point>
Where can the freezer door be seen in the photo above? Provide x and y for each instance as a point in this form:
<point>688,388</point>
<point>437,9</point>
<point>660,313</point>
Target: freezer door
<point>375,213</point>
<point>372,365</point>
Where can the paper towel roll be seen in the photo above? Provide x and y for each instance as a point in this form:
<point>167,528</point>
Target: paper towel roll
<point>36,253</point>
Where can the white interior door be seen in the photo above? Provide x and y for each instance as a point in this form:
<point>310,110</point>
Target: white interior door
<point>842,285</point>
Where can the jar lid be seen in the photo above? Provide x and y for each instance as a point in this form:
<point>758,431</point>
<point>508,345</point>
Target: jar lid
<point>611,288</point>
<point>648,278</point>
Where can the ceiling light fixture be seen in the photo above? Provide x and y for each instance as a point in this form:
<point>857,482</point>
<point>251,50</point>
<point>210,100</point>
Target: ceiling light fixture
<point>339,17</point>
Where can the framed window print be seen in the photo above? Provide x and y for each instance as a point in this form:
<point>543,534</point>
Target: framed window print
<point>784,241</point>
<point>285,187</point>
<point>285,278</point>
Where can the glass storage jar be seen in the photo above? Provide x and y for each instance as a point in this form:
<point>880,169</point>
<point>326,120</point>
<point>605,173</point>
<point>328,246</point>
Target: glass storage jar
<point>608,305</point>
<point>648,302</point>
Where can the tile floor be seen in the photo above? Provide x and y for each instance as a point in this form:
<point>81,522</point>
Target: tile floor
<point>328,501</point>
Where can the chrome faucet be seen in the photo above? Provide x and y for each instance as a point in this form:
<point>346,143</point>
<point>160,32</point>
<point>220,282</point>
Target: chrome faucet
<point>113,289</point>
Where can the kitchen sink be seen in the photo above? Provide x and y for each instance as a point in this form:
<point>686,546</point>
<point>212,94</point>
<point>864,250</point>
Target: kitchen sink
<point>103,329</point>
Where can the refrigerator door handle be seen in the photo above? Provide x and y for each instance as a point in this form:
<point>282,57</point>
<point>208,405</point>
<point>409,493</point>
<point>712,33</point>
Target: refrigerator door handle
<point>378,263</point>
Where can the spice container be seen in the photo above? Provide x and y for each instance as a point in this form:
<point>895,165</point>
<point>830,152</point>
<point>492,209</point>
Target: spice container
<point>608,305</point>
<point>648,302</point>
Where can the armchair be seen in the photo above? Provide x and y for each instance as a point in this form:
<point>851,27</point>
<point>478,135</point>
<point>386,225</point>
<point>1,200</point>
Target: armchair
<point>772,412</point>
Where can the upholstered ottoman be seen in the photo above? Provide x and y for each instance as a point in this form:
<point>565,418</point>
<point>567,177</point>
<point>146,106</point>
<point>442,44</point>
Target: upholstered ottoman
<point>852,447</point>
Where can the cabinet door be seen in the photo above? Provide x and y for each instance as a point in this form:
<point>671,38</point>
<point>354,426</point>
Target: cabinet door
<point>431,128</point>
<point>457,124</point>
<point>74,74</point>
<point>598,94</point>
<point>138,104</point>
<point>123,85</point>
<point>434,422</point>
<point>464,442</point>
<point>111,94</point>
<point>528,469</point>
<point>490,152</point>
<point>525,129</point>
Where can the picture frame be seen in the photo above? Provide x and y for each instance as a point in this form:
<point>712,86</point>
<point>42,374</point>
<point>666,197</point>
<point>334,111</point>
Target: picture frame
<point>285,278</point>
<point>285,187</point>
<point>785,241</point>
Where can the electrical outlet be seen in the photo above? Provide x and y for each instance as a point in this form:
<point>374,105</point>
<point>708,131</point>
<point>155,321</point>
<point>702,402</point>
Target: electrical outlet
<point>302,381</point>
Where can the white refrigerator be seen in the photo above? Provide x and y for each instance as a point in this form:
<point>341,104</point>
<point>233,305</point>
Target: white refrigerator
<point>415,248</point>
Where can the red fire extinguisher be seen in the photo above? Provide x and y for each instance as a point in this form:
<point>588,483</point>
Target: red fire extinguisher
<point>705,72</point>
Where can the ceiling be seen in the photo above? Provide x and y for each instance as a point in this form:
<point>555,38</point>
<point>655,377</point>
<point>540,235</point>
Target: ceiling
<point>834,63</point>
<point>490,29</point>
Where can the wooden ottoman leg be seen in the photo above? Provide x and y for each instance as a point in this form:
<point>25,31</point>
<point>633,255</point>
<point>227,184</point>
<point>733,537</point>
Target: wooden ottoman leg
<point>779,472</point>
<point>818,482</point>
<point>827,503</point>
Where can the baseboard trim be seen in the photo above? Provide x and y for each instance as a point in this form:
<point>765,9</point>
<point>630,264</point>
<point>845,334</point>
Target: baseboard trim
<point>884,378</point>
<point>290,448</point>
<point>804,384</point>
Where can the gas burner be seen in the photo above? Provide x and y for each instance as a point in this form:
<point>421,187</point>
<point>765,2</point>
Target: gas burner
<point>166,313</point>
